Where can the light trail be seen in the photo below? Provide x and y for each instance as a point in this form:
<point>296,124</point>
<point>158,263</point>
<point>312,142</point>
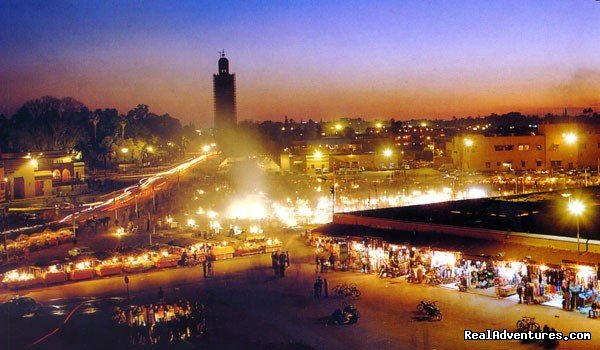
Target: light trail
<point>132,190</point>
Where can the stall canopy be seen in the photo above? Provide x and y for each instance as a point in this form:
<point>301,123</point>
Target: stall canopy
<point>470,247</point>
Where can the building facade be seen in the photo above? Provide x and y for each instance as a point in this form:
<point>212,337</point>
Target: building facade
<point>224,92</point>
<point>3,186</point>
<point>31,175</point>
<point>553,147</point>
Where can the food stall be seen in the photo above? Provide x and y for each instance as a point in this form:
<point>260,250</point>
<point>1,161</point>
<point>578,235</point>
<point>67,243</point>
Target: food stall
<point>166,258</point>
<point>272,245</point>
<point>137,262</point>
<point>54,274</point>
<point>249,248</point>
<point>109,267</point>
<point>197,252</point>
<point>81,270</point>
<point>222,251</point>
<point>22,278</point>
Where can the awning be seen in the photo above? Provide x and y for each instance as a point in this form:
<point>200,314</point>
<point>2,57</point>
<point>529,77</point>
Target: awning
<point>470,247</point>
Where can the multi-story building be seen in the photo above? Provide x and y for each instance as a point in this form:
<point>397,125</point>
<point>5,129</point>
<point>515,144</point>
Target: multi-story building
<point>30,175</point>
<point>338,154</point>
<point>553,147</point>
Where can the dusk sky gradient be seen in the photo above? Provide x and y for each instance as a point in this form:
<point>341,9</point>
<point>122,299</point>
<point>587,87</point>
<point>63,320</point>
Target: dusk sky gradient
<point>305,59</point>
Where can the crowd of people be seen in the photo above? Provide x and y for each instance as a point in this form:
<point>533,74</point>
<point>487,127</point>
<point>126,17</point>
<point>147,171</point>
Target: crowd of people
<point>160,324</point>
<point>280,262</point>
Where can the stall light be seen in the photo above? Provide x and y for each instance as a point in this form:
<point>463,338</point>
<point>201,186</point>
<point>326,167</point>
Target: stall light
<point>164,253</point>
<point>191,222</point>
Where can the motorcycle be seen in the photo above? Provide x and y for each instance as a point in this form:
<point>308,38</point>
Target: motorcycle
<point>346,316</point>
<point>431,309</point>
<point>547,342</point>
<point>424,305</point>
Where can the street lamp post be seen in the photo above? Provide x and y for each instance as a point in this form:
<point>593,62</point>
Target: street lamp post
<point>468,143</point>
<point>576,208</point>
<point>509,165</point>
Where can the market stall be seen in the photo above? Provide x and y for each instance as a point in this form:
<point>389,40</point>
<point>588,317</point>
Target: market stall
<point>196,253</point>
<point>166,258</point>
<point>54,274</point>
<point>222,251</point>
<point>109,267</point>
<point>137,261</point>
<point>81,270</point>
<point>272,245</point>
<point>22,278</point>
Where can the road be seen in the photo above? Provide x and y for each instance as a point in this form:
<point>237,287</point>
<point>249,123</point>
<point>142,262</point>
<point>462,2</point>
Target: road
<point>145,187</point>
<point>249,308</point>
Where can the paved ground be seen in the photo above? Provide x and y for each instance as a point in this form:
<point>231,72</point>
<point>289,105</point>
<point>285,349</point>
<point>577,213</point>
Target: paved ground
<point>249,308</point>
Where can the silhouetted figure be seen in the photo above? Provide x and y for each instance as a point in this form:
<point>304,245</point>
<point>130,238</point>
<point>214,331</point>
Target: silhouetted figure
<point>318,286</point>
<point>161,295</point>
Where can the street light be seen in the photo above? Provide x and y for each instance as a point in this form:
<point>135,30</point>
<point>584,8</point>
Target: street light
<point>205,148</point>
<point>570,138</point>
<point>387,153</point>
<point>468,143</point>
<point>576,208</point>
<point>318,154</point>
<point>509,165</point>
<point>124,150</point>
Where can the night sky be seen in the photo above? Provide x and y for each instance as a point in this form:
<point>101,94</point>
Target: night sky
<point>317,59</point>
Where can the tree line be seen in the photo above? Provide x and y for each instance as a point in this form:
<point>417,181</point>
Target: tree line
<point>103,136</point>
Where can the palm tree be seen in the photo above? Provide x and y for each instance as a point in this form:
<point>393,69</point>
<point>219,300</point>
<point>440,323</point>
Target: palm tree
<point>123,123</point>
<point>95,119</point>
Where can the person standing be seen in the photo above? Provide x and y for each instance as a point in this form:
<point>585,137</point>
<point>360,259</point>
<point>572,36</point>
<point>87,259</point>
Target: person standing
<point>520,293</point>
<point>161,295</point>
<point>326,287</point>
<point>319,286</point>
<point>332,261</point>
<point>204,268</point>
<point>287,258</point>
<point>209,265</point>
<point>317,261</point>
<point>282,260</point>
<point>275,263</point>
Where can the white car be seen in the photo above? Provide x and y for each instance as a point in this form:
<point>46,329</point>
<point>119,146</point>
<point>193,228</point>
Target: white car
<point>79,251</point>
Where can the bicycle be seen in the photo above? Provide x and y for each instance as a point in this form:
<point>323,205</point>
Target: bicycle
<point>527,323</point>
<point>346,290</point>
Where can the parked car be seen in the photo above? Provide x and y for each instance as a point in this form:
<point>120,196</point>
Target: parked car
<point>79,251</point>
<point>19,307</point>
